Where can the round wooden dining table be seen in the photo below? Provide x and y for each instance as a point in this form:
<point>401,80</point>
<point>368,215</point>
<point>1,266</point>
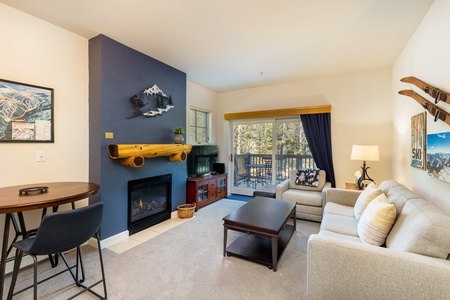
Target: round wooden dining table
<point>20,198</point>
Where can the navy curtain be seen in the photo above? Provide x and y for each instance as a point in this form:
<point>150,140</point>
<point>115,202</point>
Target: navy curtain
<point>317,129</point>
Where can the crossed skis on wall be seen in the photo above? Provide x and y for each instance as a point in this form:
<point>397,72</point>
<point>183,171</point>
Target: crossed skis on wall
<point>438,95</point>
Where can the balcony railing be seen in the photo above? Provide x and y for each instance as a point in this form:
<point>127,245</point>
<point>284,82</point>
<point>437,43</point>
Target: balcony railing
<point>253,170</point>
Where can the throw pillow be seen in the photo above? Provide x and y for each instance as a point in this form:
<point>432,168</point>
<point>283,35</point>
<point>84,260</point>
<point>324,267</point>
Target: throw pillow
<point>293,178</point>
<point>370,193</point>
<point>376,221</point>
<point>307,177</point>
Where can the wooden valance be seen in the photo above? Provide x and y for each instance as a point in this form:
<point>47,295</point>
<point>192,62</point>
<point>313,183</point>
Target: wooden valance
<point>284,112</point>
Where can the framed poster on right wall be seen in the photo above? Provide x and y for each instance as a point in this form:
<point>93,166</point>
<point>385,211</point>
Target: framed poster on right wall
<point>418,143</point>
<point>438,156</point>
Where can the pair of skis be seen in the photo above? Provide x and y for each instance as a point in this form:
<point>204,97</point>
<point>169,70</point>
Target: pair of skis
<point>436,93</point>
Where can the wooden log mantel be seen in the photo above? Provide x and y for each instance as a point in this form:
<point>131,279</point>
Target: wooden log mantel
<point>133,155</point>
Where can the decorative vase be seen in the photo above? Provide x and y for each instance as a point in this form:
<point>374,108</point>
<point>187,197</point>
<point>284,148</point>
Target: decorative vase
<point>178,139</point>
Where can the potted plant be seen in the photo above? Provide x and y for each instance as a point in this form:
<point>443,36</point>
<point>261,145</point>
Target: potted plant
<point>178,138</point>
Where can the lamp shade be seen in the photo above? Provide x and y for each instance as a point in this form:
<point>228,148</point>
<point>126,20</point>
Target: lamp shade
<point>365,153</point>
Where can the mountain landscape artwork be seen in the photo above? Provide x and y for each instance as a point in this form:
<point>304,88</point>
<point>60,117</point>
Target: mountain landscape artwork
<point>143,107</point>
<point>438,156</point>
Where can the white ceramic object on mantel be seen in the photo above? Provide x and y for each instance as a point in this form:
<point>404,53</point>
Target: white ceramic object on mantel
<point>178,139</point>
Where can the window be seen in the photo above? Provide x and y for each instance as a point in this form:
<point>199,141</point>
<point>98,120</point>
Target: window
<point>199,126</point>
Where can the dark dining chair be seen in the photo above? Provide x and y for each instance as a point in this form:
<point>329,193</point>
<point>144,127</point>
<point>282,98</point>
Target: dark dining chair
<point>241,171</point>
<point>60,232</point>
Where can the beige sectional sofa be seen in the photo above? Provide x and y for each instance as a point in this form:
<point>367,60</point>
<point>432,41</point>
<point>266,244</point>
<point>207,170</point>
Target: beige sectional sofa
<point>411,264</point>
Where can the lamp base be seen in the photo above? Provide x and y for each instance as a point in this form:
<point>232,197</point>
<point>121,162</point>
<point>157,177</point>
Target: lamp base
<point>364,177</point>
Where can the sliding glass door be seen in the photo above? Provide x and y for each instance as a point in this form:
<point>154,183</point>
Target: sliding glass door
<point>252,153</point>
<point>264,151</point>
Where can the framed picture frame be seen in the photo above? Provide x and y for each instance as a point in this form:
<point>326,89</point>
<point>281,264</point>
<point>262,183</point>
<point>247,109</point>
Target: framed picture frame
<point>26,113</point>
<point>438,164</point>
<point>418,140</point>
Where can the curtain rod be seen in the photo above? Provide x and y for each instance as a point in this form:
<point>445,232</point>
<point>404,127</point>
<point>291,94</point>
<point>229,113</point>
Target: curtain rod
<point>285,112</point>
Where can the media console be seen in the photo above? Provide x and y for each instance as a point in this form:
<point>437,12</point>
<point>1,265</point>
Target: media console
<point>205,189</point>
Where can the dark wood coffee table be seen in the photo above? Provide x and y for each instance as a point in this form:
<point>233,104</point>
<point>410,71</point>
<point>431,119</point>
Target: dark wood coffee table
<point>264,220</point>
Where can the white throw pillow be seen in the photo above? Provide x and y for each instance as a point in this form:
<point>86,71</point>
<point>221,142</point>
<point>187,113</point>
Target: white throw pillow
<point>370,193</point>
<point>376,221</point>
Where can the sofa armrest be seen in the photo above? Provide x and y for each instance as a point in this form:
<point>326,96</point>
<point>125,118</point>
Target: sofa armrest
<point>282,187</point>
<point>326,187</point>
<point>339,269</point>
<point>342,196</point>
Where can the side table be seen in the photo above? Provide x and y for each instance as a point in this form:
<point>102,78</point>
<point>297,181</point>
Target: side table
<point>351,186</point>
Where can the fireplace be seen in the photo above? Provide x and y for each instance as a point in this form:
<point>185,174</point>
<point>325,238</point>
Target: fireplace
<point>149,202</point>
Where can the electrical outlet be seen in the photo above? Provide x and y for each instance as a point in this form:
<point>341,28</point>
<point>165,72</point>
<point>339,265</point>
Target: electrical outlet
<point>40,155</point>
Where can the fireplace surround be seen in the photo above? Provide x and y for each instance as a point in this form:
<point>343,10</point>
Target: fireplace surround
<point>149,202</point>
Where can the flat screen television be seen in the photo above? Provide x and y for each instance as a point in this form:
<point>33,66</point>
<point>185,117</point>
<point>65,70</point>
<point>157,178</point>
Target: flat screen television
<point>201,159</point>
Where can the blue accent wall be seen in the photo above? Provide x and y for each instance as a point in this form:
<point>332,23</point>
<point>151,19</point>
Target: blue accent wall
<point>116,73</point>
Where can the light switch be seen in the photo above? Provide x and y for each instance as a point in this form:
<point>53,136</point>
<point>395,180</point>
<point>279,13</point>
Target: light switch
<point>40,155</point>
<point>109,135</point>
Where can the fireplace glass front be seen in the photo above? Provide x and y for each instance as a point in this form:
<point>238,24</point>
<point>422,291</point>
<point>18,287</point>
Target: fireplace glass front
<point>149,202</point>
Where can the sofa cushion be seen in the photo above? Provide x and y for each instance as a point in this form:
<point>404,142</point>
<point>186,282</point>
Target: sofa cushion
<point>340,224</point>
<point>397,194</point>
<point>303,197</point>
<point>421,228</point>
<point>338,209</point>
<point>370,193</point>
<point>340,236</point>
<point>293,176</point>
<point>376,221</point>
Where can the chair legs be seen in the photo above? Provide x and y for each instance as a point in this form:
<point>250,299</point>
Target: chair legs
<point>101,263</point>
<point>35,282</point>
<point>76,276</point>
<point>17,261</point>
<point>78,264</point>
<point>103,280</point>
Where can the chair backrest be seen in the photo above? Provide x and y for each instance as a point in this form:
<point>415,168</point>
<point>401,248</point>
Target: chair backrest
<point>65,230</point>
<point>239,165</point>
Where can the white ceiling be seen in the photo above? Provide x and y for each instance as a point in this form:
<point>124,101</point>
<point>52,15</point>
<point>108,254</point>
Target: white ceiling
<point>231,44</point>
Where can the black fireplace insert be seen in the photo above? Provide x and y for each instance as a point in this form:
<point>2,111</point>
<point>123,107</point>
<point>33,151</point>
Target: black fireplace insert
<point>149,202</point>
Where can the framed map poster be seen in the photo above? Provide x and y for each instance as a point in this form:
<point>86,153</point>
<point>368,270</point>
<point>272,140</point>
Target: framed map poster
<point>418,140</point>
<point>26,113</point>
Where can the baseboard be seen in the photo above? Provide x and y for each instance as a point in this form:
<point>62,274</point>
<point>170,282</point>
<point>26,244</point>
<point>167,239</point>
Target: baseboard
<point>110,241</point>
<point>119,237</point>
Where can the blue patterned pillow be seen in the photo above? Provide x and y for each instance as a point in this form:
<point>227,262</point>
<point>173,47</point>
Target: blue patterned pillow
<point>307,177</point>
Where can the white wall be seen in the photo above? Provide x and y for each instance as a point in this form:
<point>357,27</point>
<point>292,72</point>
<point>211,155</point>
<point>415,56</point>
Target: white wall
<point>205,99</point>
<point>427,56</point>
<point>38,53</point>
<point>361,113</point>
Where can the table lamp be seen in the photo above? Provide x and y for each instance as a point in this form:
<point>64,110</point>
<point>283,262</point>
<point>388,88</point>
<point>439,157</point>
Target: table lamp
<point>364,153</point>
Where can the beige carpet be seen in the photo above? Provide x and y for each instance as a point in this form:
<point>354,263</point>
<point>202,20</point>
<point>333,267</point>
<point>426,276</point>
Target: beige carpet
<point>187,262</point>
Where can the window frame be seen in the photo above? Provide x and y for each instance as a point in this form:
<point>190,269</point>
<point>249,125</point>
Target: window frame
<point>248,190</point>
<point>193,128</point>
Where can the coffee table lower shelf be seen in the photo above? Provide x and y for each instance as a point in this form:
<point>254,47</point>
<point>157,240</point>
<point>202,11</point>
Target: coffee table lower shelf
<point>259,249</point>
